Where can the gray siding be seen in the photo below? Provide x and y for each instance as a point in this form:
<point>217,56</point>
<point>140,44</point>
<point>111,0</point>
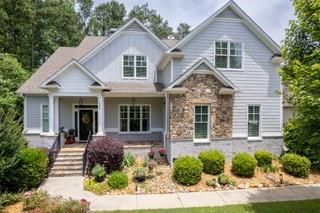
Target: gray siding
<point>257,82</point>
<point>228,13</point>
<point>107,64</point>
<point>112,111</point>
<point>33,111</point>
<point>164,76</point>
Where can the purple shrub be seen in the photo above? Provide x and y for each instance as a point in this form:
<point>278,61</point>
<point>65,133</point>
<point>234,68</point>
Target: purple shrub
<point>106,151</point>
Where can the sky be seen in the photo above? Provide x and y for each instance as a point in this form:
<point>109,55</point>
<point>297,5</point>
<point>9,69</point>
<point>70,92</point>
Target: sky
<point>271,15</point>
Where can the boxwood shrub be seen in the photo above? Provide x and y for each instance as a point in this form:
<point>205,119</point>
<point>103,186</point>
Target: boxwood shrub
<point>118,180</point>
<point>296,165</point>
<point>213,161</point>
<point>243,164</point>
<point>263,157</point>
<point>106,151</point>
<point>187,170</point>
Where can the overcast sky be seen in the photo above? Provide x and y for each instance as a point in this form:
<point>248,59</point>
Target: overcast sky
<point>272,15</point>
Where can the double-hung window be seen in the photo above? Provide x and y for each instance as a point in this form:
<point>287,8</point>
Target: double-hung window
<point>201,122</point>
<point>228,54</point>
<point>135,118</point>
<point>254,121</point>
<point>44,118</point>
<point>134,66</point>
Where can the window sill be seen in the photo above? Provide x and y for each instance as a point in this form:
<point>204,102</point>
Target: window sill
<point>199,141</point>
<point>233,70</point>
<point>254,138</point>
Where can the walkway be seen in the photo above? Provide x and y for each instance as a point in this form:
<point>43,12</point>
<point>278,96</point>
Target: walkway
<point>73,187</point>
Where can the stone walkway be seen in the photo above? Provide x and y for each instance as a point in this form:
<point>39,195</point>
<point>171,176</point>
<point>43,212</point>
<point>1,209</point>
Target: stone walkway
<point>73,187</point>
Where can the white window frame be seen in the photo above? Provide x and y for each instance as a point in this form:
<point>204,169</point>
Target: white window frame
<point>259,137</point>
<point>41,118</point>
<point>135,68</point>
<point>228,55</point>
<point>204,140</point>
<point>128,122</point>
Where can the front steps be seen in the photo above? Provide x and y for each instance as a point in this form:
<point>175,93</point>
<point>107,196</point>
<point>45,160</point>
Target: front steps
<point>69,162</point>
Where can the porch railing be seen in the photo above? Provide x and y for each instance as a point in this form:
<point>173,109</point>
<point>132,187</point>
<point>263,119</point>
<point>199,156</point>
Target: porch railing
<point>54,150</point>
<point>85,156</point>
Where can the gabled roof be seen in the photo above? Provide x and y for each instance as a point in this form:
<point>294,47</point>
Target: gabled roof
<point>209,69</point>
<point>68,65</point>
<point>90,54</point>
<point>246,20</point>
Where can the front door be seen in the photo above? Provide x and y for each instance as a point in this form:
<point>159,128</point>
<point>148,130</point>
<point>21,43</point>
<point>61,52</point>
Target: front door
<point>85,124</point>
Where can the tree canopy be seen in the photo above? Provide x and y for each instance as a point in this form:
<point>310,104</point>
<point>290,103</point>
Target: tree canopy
<point>182,31</point>
<point>301,73</point>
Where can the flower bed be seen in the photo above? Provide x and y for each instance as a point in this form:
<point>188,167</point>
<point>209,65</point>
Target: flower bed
<point>160,180</point>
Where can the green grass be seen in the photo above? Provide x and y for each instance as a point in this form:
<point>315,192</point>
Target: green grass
<point>304,206</point>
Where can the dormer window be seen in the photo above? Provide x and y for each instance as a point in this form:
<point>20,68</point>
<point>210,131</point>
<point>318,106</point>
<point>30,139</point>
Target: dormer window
<point>228,54</point>
<point>134,67</point>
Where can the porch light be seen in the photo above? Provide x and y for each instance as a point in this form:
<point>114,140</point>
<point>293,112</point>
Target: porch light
<point>133,101</point>
<point>80,101</point>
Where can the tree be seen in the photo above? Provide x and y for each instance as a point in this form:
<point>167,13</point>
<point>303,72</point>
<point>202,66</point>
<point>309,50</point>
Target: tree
<point>151,20</point>
<point>106,16</point>
<point>12,75</point>
<point>12,142</point>
<point>85,7</point>
<point>301,73</point>
<point>182,30</point>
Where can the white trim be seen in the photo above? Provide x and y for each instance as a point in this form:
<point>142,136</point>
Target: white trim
<point>56,113</point>
<point>33,131</point>
<point>260,122</point>
<point>214,71</point>
<point>128,118</point>
<point>107,41</point>
<point>171,67</point>
<point>134,68</point>
<point>201,140</point>
<point>133,94</point>
<point>271,134</point>
<point>65,67</point>
<point>76,94</point>
<point>246,21</point>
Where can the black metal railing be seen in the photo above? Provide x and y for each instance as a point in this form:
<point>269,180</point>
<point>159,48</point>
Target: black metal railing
<point>54,150</point>
<point>85,156</point>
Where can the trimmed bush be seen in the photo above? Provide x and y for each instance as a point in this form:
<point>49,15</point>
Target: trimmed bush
<point>296,165</point>
<point>263,157</point>
<point>118,180</point>
<point>107,152</point>
<point>187,170</point>
<point>98,172</point>
<point>243,164</point>
<point>32,167</point>
<point>213,161</point>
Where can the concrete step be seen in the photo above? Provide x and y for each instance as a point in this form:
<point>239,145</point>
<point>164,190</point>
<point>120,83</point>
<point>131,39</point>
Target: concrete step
<point>66,167</point>
<point>72,150</point>
<point>65,173</point>
<point>69,158</point>
<point>67,163</point>
<point>67,154</point>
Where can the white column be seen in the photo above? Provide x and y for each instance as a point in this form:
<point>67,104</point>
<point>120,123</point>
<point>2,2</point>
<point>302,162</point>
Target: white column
<point>51,115</point>
<point>56,114</point>
<point>100,116</point>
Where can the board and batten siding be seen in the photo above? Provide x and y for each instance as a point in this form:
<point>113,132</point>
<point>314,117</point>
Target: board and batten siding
<point>257,82</point>
<point>33,112</point>
<point>164,76</point>
<point>112,112</point>
<point>107,64</point>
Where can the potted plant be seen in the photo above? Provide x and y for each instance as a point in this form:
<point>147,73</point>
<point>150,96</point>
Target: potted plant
<point>70,136</point>
<point>151,154</point>
<point>98,173</point>
<point>162,151</point>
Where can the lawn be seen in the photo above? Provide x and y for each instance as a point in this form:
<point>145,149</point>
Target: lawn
<point>304,206</point>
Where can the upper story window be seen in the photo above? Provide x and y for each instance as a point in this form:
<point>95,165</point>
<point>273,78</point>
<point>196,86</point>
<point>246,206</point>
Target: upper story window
<point>134,66</point>
<point>228,54</point>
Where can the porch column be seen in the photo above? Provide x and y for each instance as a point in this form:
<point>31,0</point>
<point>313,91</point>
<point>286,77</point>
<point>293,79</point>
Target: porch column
<point>100,116</point>
<point>56,114</point>
<point>51,115</point>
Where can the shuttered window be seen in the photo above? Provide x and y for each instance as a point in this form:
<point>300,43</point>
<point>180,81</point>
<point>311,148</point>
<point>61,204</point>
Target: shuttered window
<point>254,121</point>
<point>201,121</point>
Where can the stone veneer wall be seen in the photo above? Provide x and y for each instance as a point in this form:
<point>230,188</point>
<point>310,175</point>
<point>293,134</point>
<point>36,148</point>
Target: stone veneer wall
<point>202,89</point>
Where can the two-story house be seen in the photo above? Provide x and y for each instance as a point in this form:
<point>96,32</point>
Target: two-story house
<point>215,88</point>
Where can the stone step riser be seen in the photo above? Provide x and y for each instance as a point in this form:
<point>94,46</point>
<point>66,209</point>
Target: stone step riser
<point>69,159</point>
<point>65,174</point>
<point>68,163</point>
<point>66,168</point>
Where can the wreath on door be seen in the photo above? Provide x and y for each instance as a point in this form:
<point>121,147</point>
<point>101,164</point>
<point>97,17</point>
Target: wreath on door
<point>85,119</point>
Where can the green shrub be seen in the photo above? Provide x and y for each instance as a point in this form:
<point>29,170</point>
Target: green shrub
<point>213,161</point>
<point>244,164</point>
<point>296,165</point>
<point>118,180</point>
<point>139,174</point>
<point>98,172</point>
<point>224,179</point>
<point>128,160</point>
<point>211,183</point>
<point>7,199</point>
<point>33,167</point>
<point>263,157</point>
<point>269,168</point>
<point>187,170</point>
